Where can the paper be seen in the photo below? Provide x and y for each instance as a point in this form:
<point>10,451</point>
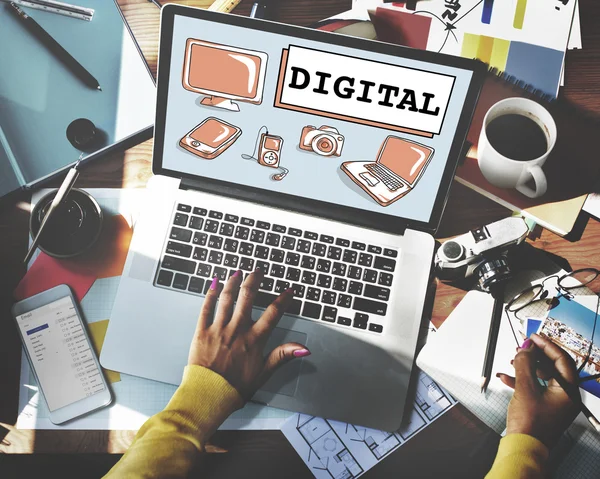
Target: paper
<point>341,450</point>
<point>97,333</point>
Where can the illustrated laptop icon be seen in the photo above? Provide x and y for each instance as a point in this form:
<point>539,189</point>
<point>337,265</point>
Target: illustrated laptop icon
<point>399,166</point>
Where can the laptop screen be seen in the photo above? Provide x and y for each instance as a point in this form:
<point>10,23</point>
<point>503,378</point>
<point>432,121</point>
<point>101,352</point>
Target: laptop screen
<point>282,113</point>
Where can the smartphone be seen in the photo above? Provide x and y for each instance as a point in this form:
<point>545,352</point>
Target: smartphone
<point>60,353</point>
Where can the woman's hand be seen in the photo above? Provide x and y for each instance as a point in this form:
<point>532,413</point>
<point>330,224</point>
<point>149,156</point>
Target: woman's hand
<point>231,344</point>
<point>544,413</point>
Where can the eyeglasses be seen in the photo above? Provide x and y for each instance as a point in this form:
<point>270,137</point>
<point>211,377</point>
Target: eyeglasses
<point>534,302</point>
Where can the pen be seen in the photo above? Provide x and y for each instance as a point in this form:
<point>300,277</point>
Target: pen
<point>259,10</point>
<point>61,194</point>
<point>575,396</point>
<point>490,350</point>
<point>51,44</point>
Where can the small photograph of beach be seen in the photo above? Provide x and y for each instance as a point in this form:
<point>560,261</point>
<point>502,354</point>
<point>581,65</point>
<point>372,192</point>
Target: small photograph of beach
<point>571,325</point>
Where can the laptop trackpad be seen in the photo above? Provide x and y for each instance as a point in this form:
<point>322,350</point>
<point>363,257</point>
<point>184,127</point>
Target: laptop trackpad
<point>285,379</point>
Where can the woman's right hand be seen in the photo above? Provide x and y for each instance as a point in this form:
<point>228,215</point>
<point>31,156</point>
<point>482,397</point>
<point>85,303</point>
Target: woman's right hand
<point>542,412</point>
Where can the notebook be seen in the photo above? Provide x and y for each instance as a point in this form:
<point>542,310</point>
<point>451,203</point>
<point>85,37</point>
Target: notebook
<point>39,97</point>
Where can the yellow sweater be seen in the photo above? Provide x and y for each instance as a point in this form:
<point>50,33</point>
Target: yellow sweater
<point>169,443</point>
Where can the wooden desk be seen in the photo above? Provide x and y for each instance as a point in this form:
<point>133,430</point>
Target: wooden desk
<point>461,445</point>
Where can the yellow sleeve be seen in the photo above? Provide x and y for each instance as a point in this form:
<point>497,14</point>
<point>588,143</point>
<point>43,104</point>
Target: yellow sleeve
<point>169,443</point>
<point>519,457</point>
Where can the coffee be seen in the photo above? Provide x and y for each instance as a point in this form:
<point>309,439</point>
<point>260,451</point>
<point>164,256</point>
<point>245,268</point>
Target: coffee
<point>517,137</point>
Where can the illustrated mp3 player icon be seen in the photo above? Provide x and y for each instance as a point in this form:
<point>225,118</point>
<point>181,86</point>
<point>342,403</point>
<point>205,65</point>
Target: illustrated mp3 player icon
<point>269,153</point>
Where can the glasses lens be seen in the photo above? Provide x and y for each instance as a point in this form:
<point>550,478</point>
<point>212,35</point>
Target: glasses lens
<point>579,278</point>
<point>537,309</point>
<point>524,298</point>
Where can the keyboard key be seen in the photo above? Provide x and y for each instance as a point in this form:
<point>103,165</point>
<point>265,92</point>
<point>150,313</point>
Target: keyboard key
<point>354,272</point>
<point>344,301</point>
<point>392,253</point>
<point>360,321</point>
<point>263,225</point>
<point>295,232</point>
<point>164,277</point>
<point>181,281</point>
<point>180,219</point>
<point>278,270</point>
<point>293,274</point>
<point>323,266</point>
<point>179,264</point>
<point>326,239</point>
<point>231,245</point>
<point>384,263</point>
<point>370,306</point>
<point>196,222</point>
<point>376,328</point>
<point>200,254</point>
<point>342,242</point>
<point>310,235</point>
<point>231,261</point>
<point>241,232</point>
<point>184,208</point>
<point>232,218</point>
<point>247,222</point>
<point>246,249</point>
<point>370,275</point>
<point>344,321</point>
<point>273,239</point>
<point>279,229</point>
<point>349,256</point>
<point>324,281</point>
<point>308,277</point>
<point>355,288</point>
<point>204,270</point>
<point>179,249</point>
<point>267,283</point>
<point>220,273</point>
<point>298,290</point>
<point>314,294</point>
<point>374,249</point>
<point>226,229</point>
<point>263,266</point>
<point>295,307</point>
<point>261,252</point>
<point>319,249</point>
<point>308,262</point>
<point>377,292</point>
<point>200,239</point>
<point>311,310</point>
<point>207,286</point>
<point>216,215</point>
<point>281,286</point>
<point>385,279</point>
<point>257,236</point>
<point>292,259</point>
<point>196,285</point>
<point>211,226</point>
<point>215,257</point>
<point>340,284</point>
<point>339,269</point>
<point>328,297</point>
<point>200,211</point>
<point>180,234</point>
<point>277,255</point>
<point>359,246</point>
<point>329,314</point>
<point>288,243</point>
<point>215,242</point>
<point>247,264</point>
<point>303,246</point>
<point>334,253</point>
<point>365,259</point>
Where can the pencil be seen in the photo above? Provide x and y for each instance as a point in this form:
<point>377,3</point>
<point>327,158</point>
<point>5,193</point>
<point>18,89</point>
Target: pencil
<point>224,6</point>
<point>575,396</point>
<point>490,350</point>
<point>51,44</point>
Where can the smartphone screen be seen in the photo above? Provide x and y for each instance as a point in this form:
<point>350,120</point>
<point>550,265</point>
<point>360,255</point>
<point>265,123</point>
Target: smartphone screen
<point>60,353</point>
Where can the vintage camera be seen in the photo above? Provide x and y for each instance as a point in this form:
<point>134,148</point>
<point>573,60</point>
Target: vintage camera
<point>481,252</point>
<point>325,141</point>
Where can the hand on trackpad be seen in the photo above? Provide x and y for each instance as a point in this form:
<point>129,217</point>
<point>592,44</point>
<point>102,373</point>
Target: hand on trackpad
<point>370,179</point>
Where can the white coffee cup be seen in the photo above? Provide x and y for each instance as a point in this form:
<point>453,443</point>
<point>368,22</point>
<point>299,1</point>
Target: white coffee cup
<point>505,172</point>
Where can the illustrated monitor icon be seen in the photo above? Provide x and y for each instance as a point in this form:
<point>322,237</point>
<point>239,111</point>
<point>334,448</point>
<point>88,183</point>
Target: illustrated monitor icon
<point>224,73</point>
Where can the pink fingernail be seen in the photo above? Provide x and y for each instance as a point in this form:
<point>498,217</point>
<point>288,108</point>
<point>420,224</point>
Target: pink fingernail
<point>215,283</point>
<point>289,290</point>
<point>258,270</point>
<point>300,353</point>
<point>237,273</point>
<point>527,344</point>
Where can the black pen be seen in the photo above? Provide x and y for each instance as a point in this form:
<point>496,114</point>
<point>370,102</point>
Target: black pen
<point>51,44</point>
<point>259,10</point>
<point>490,350</point>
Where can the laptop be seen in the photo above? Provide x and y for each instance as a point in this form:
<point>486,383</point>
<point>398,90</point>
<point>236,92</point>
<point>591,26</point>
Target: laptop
<point>244,179</point>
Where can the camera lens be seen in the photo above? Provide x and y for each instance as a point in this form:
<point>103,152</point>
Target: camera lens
<point>452,250</point>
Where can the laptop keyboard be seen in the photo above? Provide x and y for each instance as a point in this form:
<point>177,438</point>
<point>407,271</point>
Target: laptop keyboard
<point>335,280</point>
<point>390,181</point>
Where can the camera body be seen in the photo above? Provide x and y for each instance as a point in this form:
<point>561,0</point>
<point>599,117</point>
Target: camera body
<point>325,141</point>
<point>482,250</point>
